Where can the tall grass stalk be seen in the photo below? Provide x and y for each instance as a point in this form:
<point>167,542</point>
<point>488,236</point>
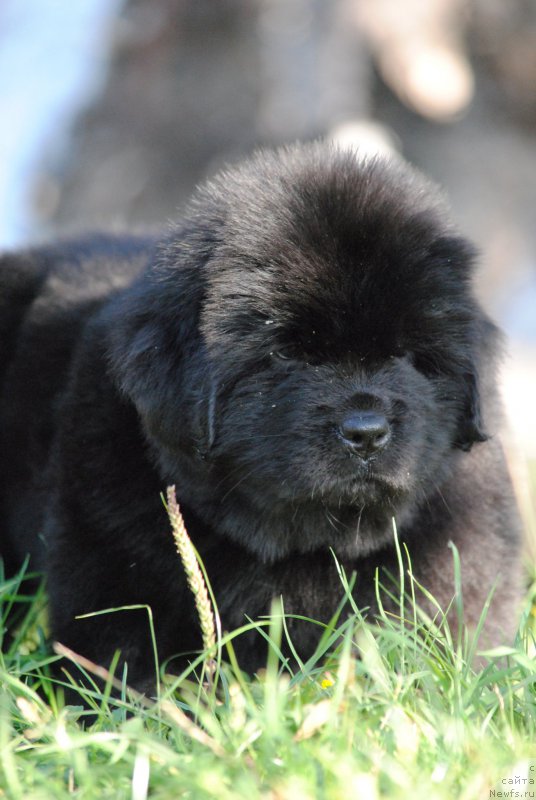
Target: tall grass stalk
<point>195,577</point>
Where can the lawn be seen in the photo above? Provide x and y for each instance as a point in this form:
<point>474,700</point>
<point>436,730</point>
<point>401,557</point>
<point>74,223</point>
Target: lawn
<point>385,708</point>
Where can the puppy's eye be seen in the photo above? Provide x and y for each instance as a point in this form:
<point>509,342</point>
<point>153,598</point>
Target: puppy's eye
<point>281,355</point>
<point>401,353</point>
<point>398,349</point>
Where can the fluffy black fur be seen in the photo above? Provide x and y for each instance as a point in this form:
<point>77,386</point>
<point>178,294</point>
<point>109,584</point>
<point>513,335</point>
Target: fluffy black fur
<point>302,291</point>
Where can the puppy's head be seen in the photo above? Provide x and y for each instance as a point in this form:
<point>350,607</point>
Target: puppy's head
<point>305,355</point>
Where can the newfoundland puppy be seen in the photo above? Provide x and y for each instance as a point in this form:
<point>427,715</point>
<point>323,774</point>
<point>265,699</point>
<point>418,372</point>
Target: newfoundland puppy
<point>304,357</point>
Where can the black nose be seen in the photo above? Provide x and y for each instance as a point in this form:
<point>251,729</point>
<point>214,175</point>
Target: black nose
<point>365,432</point>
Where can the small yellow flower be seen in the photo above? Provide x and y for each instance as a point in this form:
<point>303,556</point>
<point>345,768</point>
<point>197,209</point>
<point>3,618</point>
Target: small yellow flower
<point>326,683</point>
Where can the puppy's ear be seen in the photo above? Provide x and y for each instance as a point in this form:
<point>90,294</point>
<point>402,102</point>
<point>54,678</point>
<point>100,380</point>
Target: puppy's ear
<point>470,428</point>
<point>156,356</point>
<point>479,371</point>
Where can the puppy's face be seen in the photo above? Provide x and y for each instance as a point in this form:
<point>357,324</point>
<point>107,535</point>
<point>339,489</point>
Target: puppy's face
<point>334,357</point>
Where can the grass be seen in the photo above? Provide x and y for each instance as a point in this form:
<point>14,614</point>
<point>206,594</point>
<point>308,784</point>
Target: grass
<point>388,709</point>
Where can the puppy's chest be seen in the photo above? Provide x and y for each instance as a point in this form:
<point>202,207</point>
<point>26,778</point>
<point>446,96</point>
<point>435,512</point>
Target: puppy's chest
<point>308,586</point>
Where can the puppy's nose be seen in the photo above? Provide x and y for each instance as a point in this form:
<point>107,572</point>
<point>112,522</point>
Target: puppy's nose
<point>365,432</point>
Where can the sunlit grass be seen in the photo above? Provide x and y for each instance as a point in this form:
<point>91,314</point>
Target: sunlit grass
<point>383,708</point>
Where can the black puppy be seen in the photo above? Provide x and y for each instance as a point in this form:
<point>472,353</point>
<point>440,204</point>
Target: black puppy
<point>304,358</point>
